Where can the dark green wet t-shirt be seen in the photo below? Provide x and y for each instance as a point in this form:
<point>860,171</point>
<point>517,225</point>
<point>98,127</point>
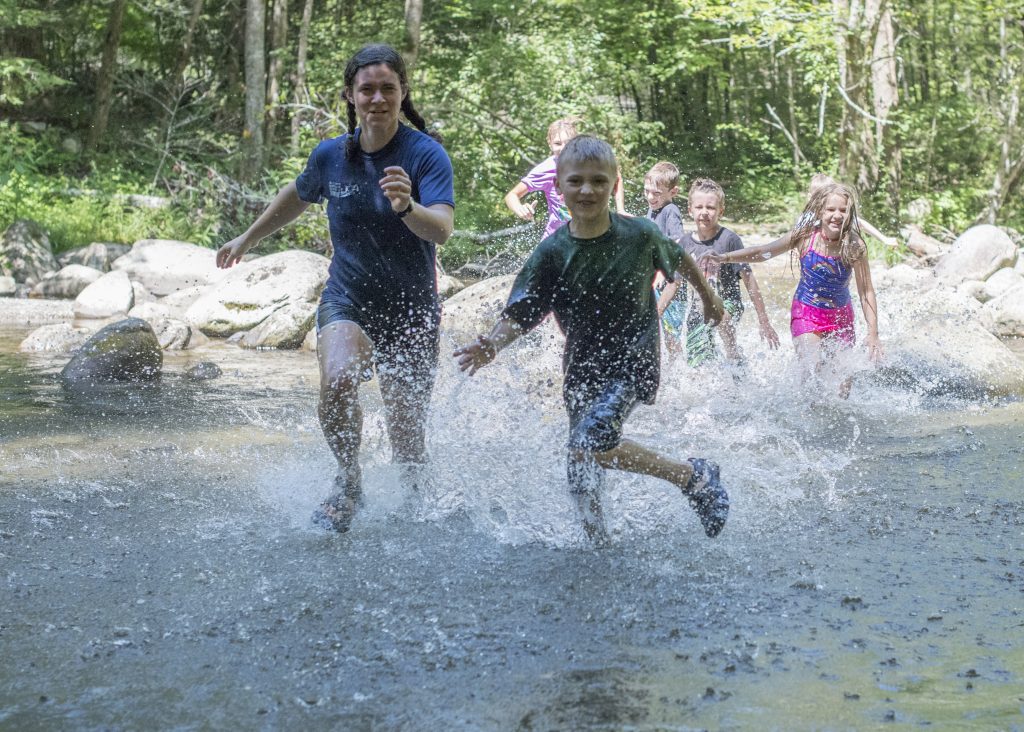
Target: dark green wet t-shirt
<point>600,293</point>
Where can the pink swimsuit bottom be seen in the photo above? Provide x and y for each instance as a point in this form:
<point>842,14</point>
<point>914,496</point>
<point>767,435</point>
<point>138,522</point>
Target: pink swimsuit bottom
<point>825,322</point>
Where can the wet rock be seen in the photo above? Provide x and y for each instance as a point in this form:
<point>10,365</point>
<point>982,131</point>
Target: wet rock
<point>178,302</point>
<point>252,291</point>
<point>98,255</point>
<point>1004,315</point>
<point>164,266</point>
<point>67,282</point>
<point>123,352</point>
<point>203,371</point>
<point>1002,281</point>
<point>447,285</point>
<point>940,346</point>
<point>977,254</point>
<point>475,309</point>
<point>112,294</point>
<point>172,334</point>
<point>309,342</point>
<point>55,338</point>
<point>286,327</point>
<point>25,253</point>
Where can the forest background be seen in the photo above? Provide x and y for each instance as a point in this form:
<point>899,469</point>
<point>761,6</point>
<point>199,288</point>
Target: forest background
<point>122,119</point>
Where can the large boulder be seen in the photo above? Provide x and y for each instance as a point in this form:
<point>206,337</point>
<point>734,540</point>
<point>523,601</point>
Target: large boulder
<point>286,327</point>
<point>474,310</point>
<point>98,255</point>
<point>251,291</point>
<point>180,301</point>
<point>1004,314</point>
<point>7,286</point>
<point>172,334</point>
<point>904,277</point>
<point>25,253</point>
<point>112,294</point>
<point>163,266</point>
<point>66,283</point>
<point>941,346</point>
<point>977,254</point>
<point>123,352</point>
<point>1001,282</point>
<point>54,338</point>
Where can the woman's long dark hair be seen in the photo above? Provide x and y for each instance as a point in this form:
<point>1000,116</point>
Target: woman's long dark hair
<point>371,55</point>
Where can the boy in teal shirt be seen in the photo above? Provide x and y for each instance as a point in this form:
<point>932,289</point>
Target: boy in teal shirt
<point>595,276</point>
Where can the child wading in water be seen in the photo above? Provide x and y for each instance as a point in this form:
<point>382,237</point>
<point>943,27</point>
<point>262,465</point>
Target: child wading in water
<point>827,237</point>
<point>706,203</point>
<point>595,276</point>
<point>661,186</point>
<point>542,178</point>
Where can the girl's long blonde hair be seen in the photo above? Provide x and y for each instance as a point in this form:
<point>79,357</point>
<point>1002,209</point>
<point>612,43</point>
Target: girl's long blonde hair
<point>851,242</point>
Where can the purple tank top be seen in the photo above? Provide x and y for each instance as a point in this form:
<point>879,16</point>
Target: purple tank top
<point>823,279</point>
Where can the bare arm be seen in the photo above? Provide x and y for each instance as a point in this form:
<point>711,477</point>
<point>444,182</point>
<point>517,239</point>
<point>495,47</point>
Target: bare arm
<point>284,209</point>
<point>757,254</point>
<point>670,290</point>
<point>713,308</point>
<point>764,324</point>
<point>868,303</point>
<point>474,356</point>
<point>433,223</point>
<point>514,200</point>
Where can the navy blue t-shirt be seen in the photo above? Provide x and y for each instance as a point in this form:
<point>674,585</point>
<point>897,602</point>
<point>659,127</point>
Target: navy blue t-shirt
<point>380,267</point>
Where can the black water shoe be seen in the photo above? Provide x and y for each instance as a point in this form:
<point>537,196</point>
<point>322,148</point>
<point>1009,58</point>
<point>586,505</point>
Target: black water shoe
<point>707,496</point>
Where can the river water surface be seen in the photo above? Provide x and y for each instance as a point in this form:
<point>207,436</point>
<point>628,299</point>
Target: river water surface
<point>158,568</point>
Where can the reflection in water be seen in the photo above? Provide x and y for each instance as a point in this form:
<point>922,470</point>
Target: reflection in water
<point>160,569</point>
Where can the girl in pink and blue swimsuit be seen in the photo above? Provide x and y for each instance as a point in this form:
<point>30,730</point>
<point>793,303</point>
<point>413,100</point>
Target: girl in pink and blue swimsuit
<point>827,237</point>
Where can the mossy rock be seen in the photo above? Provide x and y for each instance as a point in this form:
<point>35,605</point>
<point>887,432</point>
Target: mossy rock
<point>125,352</point>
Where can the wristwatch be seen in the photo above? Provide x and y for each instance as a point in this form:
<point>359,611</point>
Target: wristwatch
<point>405,212</point>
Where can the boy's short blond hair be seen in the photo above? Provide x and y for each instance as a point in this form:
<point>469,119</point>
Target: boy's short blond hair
<point>664,175</point>
<point>706,185</point>
<point>586,147</point>
<point>565,124</point>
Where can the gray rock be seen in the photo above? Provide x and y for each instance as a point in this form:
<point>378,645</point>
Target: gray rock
<point>903,277</point>
<point>923,245</point>
<point>976,254</point>
<point>66,283</point>
<point>1002,281</point>
<point>150,311</point>
<point>25,253</point>
<point>164,266</point>
<point>286,327</point>
<point>252,291</point>
<point>180,301</point>
<point>71,145</point>
<point>54,338</point>
<point>203,371</point>
<point>123,352</point>
<point>7,286</point>
<point>172,334</point>
<point>98,255</point>
<point>112,294</point>
<point>141,294</point>
<point>1004,314</point>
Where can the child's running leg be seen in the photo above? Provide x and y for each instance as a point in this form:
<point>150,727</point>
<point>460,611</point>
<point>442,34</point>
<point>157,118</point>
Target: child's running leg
<point>697,479</point>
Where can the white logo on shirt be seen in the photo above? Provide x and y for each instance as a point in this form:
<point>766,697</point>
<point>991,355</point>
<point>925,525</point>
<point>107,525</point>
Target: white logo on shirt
<point>337,190</point>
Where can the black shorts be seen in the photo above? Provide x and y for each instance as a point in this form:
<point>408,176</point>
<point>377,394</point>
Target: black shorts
<point>407,350</point>
<point>596,416</point>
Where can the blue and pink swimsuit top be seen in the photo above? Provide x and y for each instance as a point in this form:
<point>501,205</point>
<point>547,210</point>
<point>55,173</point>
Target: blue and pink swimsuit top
<point>823,279</point>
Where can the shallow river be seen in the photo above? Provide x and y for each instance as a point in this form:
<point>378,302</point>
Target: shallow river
<point>158,568</point>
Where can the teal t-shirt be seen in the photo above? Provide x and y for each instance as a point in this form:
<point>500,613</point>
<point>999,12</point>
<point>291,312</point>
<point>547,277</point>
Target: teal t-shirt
<point>600,293</point>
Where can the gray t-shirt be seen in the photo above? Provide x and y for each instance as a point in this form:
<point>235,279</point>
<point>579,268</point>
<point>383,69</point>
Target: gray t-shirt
<point>729,274</point>
<point>669,220</point>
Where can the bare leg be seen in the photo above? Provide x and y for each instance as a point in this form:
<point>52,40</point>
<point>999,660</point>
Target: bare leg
<point>727,330</point>
<point>344,352</point>
<point>406,395</point>
<point>635,458</point>
<point>808,352</point>
<point>586,479</point>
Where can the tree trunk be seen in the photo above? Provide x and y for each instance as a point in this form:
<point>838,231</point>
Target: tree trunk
<point>885,93</point>
<point>105,81</point>
<point>255,89</point>
<point>278,42</point>
<point>299,96</point>
<point>413,26</point>
<point>186,46</point>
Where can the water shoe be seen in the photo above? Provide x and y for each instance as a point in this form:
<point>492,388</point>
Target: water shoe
<point>707,496</point>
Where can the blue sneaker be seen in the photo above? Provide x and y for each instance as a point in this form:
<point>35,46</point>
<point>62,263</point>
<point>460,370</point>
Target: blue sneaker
<point>707,496</point>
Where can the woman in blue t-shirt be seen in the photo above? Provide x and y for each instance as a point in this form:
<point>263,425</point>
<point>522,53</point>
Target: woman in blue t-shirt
<point>390,202</point>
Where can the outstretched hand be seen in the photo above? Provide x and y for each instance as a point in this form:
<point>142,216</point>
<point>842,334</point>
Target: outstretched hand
<point>397,186</point>
<point>709,264</point>
<point>768,334</point>
<point>474,356</point>
<point>231,253</point>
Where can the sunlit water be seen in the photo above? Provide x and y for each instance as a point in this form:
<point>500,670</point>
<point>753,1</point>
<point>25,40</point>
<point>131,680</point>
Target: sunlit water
<point>159,569</point>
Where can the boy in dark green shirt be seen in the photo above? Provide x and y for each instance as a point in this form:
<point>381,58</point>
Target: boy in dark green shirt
<point>595,276</point>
